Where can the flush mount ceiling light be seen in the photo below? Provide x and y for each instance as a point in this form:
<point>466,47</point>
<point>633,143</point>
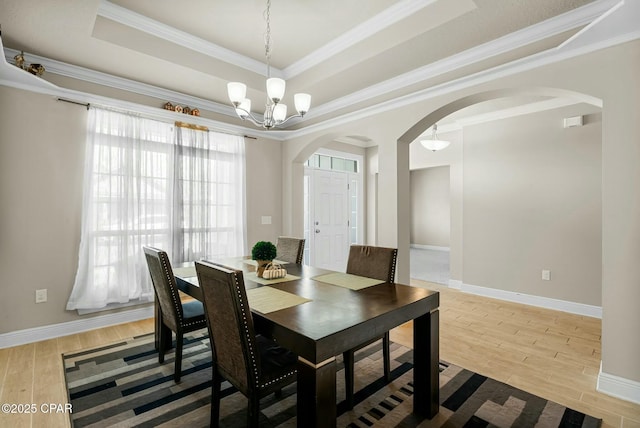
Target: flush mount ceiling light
<point>434,143</point>
<point>275,113</point>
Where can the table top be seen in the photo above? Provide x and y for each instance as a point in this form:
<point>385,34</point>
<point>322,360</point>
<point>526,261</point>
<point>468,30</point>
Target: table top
<point>335,318</point>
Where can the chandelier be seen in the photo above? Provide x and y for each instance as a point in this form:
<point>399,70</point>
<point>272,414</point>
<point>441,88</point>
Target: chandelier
<point>275,113</point>
<point>434,143</point>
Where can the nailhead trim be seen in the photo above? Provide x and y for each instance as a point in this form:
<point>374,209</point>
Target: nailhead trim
<point>392,274</point>
<point>252,353</point>
<point>278,379</point>
<point>167,271</point>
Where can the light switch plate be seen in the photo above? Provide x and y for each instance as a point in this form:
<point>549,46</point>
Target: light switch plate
<point>266,219</point>
<point>41,296</point>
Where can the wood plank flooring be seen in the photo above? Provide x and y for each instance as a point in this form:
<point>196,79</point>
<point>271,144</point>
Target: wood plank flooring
<point>552,354</point>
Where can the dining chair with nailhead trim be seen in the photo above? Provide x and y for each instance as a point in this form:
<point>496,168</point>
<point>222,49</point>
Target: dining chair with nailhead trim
<point>378,263</point>
<point>180,317</point>
<point>254,364</point>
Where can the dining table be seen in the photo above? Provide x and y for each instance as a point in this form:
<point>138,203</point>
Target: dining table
<point>319,314</point>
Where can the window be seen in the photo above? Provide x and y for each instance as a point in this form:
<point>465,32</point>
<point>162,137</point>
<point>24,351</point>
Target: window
<point>333,163</point>
<point>149,183</point>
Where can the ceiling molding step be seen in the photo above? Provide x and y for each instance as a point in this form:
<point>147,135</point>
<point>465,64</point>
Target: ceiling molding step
<point>545,29</point>
<point>517,66</point>
<point>534,61</point>
<point>120,83</point>
<point>502,45</point>
<point>13,77</point>
<point>379,22</point>
<point>127,17</point>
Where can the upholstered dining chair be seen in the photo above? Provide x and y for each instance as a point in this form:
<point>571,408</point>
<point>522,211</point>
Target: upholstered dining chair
<point>378,263</point>
<point>180,317</point>
<point>252,363</point>
<point>290,249</point>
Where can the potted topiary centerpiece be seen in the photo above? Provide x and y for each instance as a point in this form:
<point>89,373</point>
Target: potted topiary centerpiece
<point>263,253</point>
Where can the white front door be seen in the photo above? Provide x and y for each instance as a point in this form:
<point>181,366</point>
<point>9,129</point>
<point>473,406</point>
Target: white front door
<point>330,220</point>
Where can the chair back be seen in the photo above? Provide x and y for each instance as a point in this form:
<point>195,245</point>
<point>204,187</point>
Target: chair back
<point>233,340</point>
<point>164,285</point>
<point>290,249</point>
<point>373,262</point>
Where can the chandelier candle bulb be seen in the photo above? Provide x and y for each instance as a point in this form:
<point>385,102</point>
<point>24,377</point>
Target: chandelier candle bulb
<point>275,89</point>
<point>237,92</point>
<point>279,112</point>
<point>244,108</point>
<point>302,102</point>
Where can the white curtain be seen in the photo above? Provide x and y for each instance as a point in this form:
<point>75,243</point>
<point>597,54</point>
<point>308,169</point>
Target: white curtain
<point>148,183</point>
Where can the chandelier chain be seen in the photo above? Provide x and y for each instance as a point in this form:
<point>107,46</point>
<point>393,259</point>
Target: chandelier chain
<point>267,38</point>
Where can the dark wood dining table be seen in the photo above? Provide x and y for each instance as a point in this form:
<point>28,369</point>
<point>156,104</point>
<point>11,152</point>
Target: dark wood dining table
<point>335,320</point>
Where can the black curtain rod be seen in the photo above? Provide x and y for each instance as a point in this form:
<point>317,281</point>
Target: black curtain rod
<point>87,105</point>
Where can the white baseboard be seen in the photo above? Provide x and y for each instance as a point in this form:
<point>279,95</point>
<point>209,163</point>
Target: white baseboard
<point>618,387</point>
<point>37,334</point>
<point>455,284</point>
<point>429,247</point>
<point>528,299</point>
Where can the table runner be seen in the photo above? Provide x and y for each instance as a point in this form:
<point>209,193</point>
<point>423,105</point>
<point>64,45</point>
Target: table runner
<point>268,299</point>
<point>347,280</point>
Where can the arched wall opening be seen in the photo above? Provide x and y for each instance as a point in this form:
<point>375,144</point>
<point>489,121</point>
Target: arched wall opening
<point>456,219</point>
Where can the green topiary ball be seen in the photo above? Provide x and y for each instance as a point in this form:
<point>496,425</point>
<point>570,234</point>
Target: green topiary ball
<point>263,250</point>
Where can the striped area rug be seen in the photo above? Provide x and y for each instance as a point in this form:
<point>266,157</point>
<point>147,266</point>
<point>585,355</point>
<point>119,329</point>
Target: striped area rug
<point>123,385</point>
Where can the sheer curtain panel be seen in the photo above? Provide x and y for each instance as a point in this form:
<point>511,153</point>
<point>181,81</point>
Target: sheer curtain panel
<point>147,182</point>
<point>209,195</point>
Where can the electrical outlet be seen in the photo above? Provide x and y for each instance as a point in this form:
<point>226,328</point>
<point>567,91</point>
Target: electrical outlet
<point>546,275</point>
<point>41,296</point>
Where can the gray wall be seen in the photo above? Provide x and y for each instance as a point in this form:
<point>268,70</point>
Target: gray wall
<point>430,206</point>
<point>41,167</point>
<point>532,201</point>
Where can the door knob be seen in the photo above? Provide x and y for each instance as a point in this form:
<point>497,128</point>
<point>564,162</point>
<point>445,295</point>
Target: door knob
<point>317,230</point>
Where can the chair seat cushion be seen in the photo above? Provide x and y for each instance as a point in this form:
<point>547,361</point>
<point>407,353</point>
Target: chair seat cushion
<point>275,360</point>
<point>192,309</point>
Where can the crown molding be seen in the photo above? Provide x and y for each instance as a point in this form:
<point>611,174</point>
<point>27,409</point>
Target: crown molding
<point>551,27</point>
<point>127,17</point>
<point>120,83</point>
<point>534,61</point>
<point>524,64</point>
<point>360,32</point>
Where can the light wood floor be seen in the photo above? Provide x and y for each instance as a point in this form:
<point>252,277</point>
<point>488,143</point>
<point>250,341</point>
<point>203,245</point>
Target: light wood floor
<point>551,354</point>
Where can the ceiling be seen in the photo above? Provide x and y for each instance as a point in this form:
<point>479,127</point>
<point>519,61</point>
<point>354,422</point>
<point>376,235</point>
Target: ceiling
<point>349,55</point>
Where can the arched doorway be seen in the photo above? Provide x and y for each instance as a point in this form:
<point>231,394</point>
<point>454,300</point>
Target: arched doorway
<point>467,254</point>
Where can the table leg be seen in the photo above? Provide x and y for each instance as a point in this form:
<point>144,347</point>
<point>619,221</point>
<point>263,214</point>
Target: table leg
<point>426,360</point>
<point>316,394</point>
